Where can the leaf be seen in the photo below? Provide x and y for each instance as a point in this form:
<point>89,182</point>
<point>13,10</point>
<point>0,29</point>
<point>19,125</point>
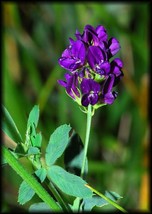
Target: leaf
<point>57,144</point>
<point>89,203</point>
<point>41,174</point>
<point>36,140</point>
<point>76,204</point>
<point>112,195</point>
<point>25,193</point>
<point>39,207</point>
<point>69,183</point>
<point>9,127</point>
<point>33,151</point>
<point>33,116</point>
<point>73,155</point>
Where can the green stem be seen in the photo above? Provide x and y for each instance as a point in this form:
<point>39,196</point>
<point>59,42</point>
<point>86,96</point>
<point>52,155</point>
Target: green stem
<point>33,183</point>
<point>107,199</point>
<point>65,206</point>
<point>89,117</point>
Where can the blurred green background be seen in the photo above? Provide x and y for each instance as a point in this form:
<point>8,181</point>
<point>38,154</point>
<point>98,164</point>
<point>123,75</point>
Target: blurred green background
<point>34,37</point>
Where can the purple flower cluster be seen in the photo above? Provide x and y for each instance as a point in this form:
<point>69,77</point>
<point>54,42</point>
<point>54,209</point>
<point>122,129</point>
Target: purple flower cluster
<point>91,73</point>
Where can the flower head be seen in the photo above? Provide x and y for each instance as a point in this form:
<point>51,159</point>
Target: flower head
<point>92,72</point>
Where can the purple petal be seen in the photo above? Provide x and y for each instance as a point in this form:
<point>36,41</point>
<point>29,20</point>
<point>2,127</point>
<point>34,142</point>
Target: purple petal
<point>71,41</point>
<point>89,34</point>
<point>94,86</point>
<point>107,87</point>
<point>114,46</point>
<point>78,51</point>
<point>88,85</point>
<point>69,64</point>
<point>95,56</point>
<point>85,86</point>
<point>74,56</point>
<point>109,98</point>
<point>62,83</point>
<point>93,98</point>
<point>101,32</point>
<point>66,53</point>
<point>104,68</point>
<point>67,76</point>
<point>116,66</point>
<point>85,100</point>
<point>89,99</point>
<point>72,85</point>
<point>78,35</point>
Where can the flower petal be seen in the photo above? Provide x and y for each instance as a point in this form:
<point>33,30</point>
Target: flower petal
<point>85,86</point>
<point>109,98</point>
<point>104,68</point>
<point>116,66</point>
<point>107,87</point>
<point>95,56</point>
<point>101,32</point>
<point>62,83</point>
<point>114,46</point>
<point>93,98</point>
<point>85,100</point>
<point>78,51</point>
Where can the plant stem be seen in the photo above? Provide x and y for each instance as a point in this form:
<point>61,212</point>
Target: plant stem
<point>33,183</point>
<point>66,207</point>
<point>107,199</point>
<point>89,117</point>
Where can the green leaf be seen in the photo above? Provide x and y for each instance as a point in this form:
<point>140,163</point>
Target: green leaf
<point>41,174</point>
<point>69,183</point>
<point>33,151</point>
<point>112,195</point>
<point>25,193</point>
<point>39,207</point>
<point>9,127</point>
<point>73,155</point>
<point>89,203</point>
<point>33,116</point>
<point>76,204</point>
<point>57,144</point>
<point>37,140</point>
